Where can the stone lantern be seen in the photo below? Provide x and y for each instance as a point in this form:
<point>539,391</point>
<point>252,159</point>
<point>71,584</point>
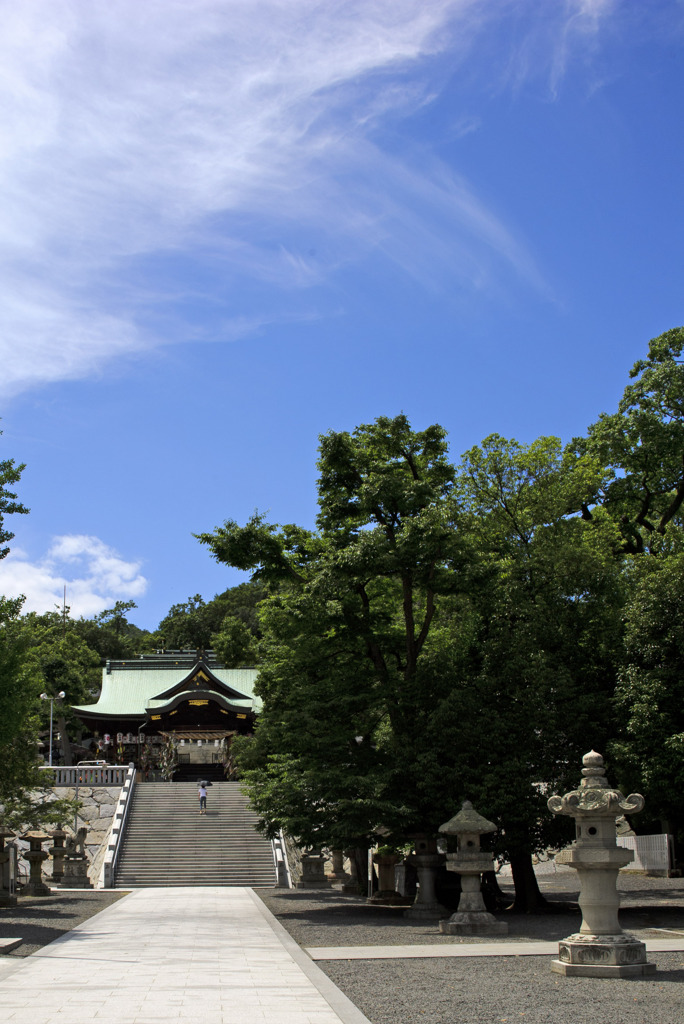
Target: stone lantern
<point>352,883</point>
<point>600,948</point>
<point>35,855</point>
<point>387,892</point>
<point>58,852</point>
<point>426,860</point>
<point>472,917</point>
<point>338,874</point>
<point>7,899</point>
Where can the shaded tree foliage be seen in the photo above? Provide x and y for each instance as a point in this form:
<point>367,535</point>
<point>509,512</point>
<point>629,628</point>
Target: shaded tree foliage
<point>650,690</point>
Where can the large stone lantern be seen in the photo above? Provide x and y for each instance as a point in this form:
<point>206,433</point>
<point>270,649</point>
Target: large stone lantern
<point>472,917</point>
<point>35,855</point>
<point>600,948</point>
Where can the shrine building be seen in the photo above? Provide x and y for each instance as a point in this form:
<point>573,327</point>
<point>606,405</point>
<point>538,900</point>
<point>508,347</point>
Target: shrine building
<point>185,695</point>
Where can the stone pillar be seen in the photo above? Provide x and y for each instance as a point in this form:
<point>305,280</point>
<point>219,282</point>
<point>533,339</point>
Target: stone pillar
<point>472,917</point>
<point>313,872</point>
<point>426,860</point>
<point>352,883</point>
<point>338,874</point>
<point>600,949</point>
<point>387,892</point>
<point>35,855</point>
<point>6,899</point>
<point>57,853</point>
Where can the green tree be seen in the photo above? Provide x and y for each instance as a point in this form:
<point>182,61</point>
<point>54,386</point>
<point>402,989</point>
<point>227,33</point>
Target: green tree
<point>650,690</point>
<point>19,701</point>
<point>62,661</point>
<point>228,623</point>
<point>534,685</point>
<point>338,748</point>
<point>23,792</point>
<point>642,447</point>
<point>10,474</point>
<point>111,635</point>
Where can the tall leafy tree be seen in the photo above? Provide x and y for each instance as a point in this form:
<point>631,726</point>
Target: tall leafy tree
<point>533,685</point>
<point>111,635</point>
<point>339,743</point>
<point>23,795</point>
<point>642,447</point>
<point>62,661</point>
<point>650,691</point>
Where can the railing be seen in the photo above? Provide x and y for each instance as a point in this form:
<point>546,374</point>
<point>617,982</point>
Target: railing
<point>108,872</point>
<point>652,854</point>
<point>283,879</point>
<point>105,775</point>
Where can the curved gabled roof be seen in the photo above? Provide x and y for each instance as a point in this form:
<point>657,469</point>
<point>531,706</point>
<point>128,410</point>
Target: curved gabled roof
<point>134,687</point>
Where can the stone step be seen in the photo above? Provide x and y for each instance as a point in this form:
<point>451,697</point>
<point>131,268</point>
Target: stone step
<point>167,842</point>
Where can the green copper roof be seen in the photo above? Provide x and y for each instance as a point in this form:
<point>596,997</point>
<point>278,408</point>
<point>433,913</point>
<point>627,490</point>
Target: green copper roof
<point>129,688</point>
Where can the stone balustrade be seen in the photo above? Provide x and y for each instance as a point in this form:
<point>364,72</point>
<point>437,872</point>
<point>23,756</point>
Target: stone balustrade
<point>102,775</point>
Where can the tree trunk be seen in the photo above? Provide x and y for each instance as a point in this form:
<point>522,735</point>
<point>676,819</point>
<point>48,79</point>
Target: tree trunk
<point>495,899</point>
<point>361,861</point>
<point>528,898</point>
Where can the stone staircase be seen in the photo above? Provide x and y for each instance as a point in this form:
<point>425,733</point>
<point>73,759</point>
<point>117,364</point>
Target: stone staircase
<point>168,842</point>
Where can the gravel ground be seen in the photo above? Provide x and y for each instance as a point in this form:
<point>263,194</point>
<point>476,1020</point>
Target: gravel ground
<point>41,919</point>
<point>491,990</point>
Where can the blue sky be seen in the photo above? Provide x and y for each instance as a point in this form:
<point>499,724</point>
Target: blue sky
<point>229,227</point>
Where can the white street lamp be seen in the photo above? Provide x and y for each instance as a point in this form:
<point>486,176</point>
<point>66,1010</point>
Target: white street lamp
<point>45,696</point>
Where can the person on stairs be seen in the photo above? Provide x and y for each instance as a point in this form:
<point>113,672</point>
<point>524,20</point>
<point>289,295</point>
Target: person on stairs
<point>202,794</point>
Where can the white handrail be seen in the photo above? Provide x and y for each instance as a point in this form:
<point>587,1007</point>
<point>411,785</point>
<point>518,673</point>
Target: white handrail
<point>108,871</point>
<point>283,877</point>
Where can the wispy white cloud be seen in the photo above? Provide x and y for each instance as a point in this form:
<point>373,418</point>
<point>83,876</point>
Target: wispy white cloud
<point>95,575</point>
<point>547,39</point>
<point>220,130</point>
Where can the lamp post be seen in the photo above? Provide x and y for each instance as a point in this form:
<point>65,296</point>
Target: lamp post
<point>45,696</point>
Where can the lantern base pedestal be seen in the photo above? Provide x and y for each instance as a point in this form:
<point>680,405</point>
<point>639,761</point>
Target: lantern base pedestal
<point>602,956</point>
<point>426,911</point>
<point>76,874</point>
<point>473,923</point>
<point>390,897</point>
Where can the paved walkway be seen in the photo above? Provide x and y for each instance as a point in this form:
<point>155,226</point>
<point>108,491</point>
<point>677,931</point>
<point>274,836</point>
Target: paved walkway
<point>194,955</point>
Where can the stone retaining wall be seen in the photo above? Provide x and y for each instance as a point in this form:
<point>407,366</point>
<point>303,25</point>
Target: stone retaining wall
<point>97,814</point>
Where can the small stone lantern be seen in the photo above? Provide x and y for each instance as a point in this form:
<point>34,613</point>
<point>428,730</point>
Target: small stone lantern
<point>472,917</point>
<point>338,874</point>
<point>57,852</point>
<point>600,948</point>
<point>352,883</point>
<point>7,899</point>
<point>35,855</point>
<point>426,860</point>
<point>387,892</point>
